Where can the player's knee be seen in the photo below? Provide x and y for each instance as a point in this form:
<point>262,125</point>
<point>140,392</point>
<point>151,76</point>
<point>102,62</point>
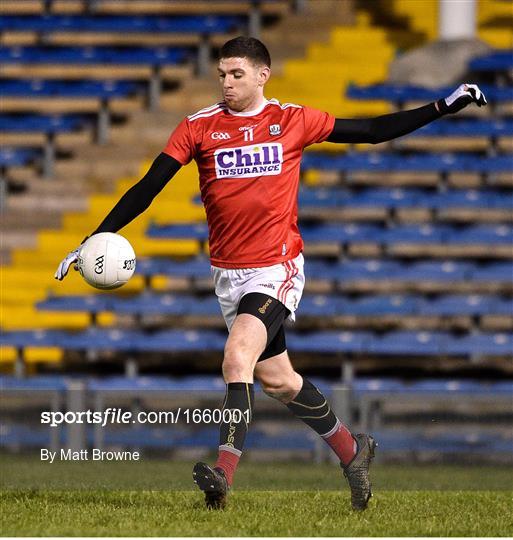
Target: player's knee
<point>237,364</point>
<point>283,388</point>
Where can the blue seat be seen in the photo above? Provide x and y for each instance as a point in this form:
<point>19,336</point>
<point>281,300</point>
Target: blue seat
<point>168,304</point>
<point>405,198</point>
<point>481,234</point>
<point>328,342</point>
<point>329,232</point>
<point>198,267</point>
<point>180,341</point>
<point>92,338</point>
<point>298,439</point>
<point>480,345</point>
<point>310,232</point>
<point>99,339</point>
<point>18,157</point>
<point>148,303</point>
<point>486,198</point>
<point>363,269</point>
<point>319,305</point>
<point>397,386</point>
<point>440,163</point>
<point>192,231</point>
<point>496,271</point>
<point>197,383</point>
<point>407,343</point>
<point>32,54</point>
<point>446,443</point>
<point>495,61</point>
<point>458,304</point>
<point>37,88</point>
<point>15,435</point>
<point>393,198</point>
<point>121,23</point>
<point>91,303</point>
<point>402,93</point>
<point>445,271</point>
<point>34,384</point>
<point>415,234</point>
<point>200,437</point>
<point>25,123</point>
<point>322,342</point>
<point>27,338</point>
<point>324,197</point>
<point>501,306</point>
<point>380,305</point>
<point>466,128</point>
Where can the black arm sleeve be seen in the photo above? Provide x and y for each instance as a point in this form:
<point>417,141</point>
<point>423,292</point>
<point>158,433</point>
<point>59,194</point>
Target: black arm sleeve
<point>137,199</point>
<point>382,128</point>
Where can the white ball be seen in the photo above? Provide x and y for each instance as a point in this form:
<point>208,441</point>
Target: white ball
<point>106,260</point>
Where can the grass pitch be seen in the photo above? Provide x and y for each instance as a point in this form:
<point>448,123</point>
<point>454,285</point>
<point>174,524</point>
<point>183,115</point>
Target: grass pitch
<point>408,501</point>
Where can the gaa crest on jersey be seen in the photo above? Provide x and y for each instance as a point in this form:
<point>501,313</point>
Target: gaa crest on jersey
<point>274,129</point>
<point>249,161</point>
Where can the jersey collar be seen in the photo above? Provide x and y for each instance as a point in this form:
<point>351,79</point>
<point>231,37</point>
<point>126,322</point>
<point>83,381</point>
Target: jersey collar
<point>254,112</point>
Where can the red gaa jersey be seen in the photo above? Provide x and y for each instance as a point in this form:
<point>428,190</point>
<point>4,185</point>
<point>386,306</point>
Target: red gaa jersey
<point>249,177</point>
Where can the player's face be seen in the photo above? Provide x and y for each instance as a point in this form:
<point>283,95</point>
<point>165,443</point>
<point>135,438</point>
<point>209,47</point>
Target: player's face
<point>242,83</point>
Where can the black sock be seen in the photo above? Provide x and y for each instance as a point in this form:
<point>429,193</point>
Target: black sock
<point>313,409</point>
<point>239,400</point>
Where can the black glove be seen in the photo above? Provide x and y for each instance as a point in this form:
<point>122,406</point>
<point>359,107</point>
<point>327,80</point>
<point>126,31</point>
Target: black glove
<point>460,98</point>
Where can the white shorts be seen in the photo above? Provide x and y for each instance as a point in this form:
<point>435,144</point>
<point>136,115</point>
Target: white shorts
<point>283,281</point>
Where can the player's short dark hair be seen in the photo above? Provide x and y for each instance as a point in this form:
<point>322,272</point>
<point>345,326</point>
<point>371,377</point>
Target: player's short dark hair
<point>246,47</point>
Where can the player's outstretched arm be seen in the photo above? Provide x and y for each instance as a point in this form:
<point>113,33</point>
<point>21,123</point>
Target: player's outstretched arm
<point>135,201</point>
<point>390,126</point>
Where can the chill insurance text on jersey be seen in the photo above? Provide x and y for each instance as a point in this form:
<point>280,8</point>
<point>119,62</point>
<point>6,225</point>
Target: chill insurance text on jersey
<point>248,167</point>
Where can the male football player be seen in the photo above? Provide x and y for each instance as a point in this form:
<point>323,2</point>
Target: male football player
<point>248,151</point>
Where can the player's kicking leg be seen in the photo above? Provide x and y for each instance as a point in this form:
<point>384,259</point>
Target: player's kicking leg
<point>304,400</point>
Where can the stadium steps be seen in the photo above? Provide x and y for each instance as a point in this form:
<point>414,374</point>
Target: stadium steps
<point>320,83</point>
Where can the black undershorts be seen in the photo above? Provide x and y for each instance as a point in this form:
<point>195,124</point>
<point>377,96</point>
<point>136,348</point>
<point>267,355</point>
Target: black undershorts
<point>272,313</point>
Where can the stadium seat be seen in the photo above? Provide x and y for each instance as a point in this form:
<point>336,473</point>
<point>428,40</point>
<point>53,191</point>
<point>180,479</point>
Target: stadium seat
<point>441,163</point>
<point>467,128</point>
<point>155,56</point>
<point>400,94</point>
<point>50,124</point>
<point>352,271</point>
<point>53,383</point>
<point>453,305</point>
<point>102,90</point>
<point>499,271</point>
<point>328,342</point>
<point>397,343</point>
<point>476,345</point>
<point>192,268</point>
<point>67,96</point>
<point>364,385</point>
<point>48,24</point>
<point>408,343</point>
<point>501,60</point>
<point>404,198</point>
<point>17,157</point>
<point>199,28</point>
